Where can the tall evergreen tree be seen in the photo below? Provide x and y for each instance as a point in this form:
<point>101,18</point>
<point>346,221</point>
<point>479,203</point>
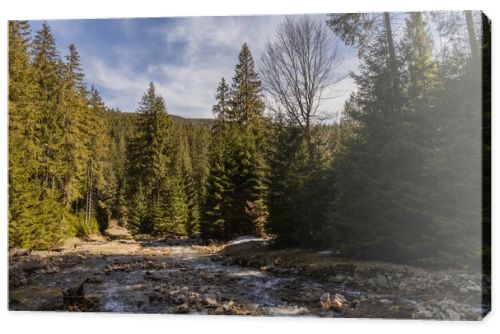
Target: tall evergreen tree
<point>246,91</point>
<point>96,165</point>
<point>46,64</point>
<point>221,108</point>
<point>154,164</point>
<point>237,184</point>
<point>22,149</point>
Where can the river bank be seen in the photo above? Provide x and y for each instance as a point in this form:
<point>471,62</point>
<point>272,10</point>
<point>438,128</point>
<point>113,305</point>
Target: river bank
<point>243,277</point>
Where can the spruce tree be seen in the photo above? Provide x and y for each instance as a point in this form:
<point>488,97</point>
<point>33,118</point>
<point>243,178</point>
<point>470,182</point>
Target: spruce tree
<point>154,157</point>
<point>22,148</point>
<point>246,91</point>
<point>237,189</point>
<point>385,193</point>
<point>221,109</point>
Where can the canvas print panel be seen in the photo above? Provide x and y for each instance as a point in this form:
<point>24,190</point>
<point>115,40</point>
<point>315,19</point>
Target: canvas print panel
<point>332,165</point>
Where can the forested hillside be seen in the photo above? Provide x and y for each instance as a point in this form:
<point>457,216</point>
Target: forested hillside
<point>398,178</point>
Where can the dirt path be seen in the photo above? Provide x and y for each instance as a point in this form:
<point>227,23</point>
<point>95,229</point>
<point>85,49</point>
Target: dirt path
<point>120,274</point>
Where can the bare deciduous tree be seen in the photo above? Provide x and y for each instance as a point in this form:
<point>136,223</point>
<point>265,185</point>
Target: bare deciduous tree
<point>297,67</point>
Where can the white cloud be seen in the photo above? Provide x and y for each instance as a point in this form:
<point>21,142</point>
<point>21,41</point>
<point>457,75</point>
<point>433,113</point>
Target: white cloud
<point>209,48</point>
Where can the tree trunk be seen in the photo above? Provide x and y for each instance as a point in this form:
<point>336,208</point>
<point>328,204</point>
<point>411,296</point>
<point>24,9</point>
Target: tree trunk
<point>88,204</point>
<point>472,35</point>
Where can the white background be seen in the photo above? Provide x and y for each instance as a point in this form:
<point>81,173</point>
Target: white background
<point>50,322</point>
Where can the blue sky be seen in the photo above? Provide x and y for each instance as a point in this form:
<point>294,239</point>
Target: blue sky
<point>185,57</point>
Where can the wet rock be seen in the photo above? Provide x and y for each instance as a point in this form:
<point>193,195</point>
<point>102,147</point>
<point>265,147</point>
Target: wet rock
<point>371,283</point>
<point>340,298</point>
<point>142,301</point>
<point>339,278</point>
<point>95,279</point>
<point>17,278</point>
<point>228,307</point>
<point>75,300</point>
<point>204,288</point>
<point>347,269</point>
<point>422,314</point>
<point>473,288</point>
<point>381,280</point>
<point>219,310</point>
<point>325,300</point>
<point>452,315</point>
<point>155,297</point>
<point>179,299</point>
<point>394,308</point>
<point>51,270</point>
<point>307,297</point>
<point>183,308</point>
<point>210,301</point>
<point>194,298</point>
<point>32,265</point>
<point>444,304</point>
<point>339,302</point>
<point>386,301</point>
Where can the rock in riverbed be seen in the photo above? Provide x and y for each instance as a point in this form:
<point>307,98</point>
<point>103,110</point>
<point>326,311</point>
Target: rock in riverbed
<point>337,303</point>
<point>183,308</point>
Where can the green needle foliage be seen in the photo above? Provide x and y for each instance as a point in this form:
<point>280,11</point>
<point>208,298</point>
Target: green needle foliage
<point>397,178</point>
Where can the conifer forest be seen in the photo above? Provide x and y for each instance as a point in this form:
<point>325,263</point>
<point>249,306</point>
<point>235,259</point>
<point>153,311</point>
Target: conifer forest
<point>275,205</point>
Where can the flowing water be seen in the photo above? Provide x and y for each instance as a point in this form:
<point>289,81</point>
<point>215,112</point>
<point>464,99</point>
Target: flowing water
<point>178,277</point>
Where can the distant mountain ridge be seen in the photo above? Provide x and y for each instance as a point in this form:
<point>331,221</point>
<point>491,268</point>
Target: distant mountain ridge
<point>205,121</point>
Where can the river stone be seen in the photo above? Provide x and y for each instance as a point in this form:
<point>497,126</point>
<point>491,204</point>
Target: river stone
<point>204,288</point>
<point>463,289</point>
<point>452,315</point>
<point>308,297</point>
<point>423,314</point>
<point>142,301</point>
<point>32,265</point>
<point>51,270</point>
<point>95,279</point>
<point>339,302</point>
<point>183,308</point>
<point>473,288</point>
<point>381,280</point>
<point>228,306</point>
<point>339,278</point>
<point>386,301</point>
<point>325,297</point>
<point>340,298</point>
<point>194,298</point>
<point>210,301</point>
<point>325,300</point>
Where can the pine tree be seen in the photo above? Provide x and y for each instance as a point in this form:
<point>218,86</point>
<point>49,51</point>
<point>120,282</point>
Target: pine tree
<point>138,220</point>
<point>221,109</point>
<point>46,65</point>
<point>22,148</point>
<point>76,127</point>
<point>383,173</point>
<point>246,91</point>
<point>155,158</point>
<point>237,189</point>
<point>217,202</point>
<point>96,164</point>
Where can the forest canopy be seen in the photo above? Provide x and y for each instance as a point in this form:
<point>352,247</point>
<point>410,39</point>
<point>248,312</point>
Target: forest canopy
<point>403,176</point>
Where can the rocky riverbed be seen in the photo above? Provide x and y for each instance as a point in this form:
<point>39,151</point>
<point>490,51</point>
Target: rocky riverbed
<point>121,274</point>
